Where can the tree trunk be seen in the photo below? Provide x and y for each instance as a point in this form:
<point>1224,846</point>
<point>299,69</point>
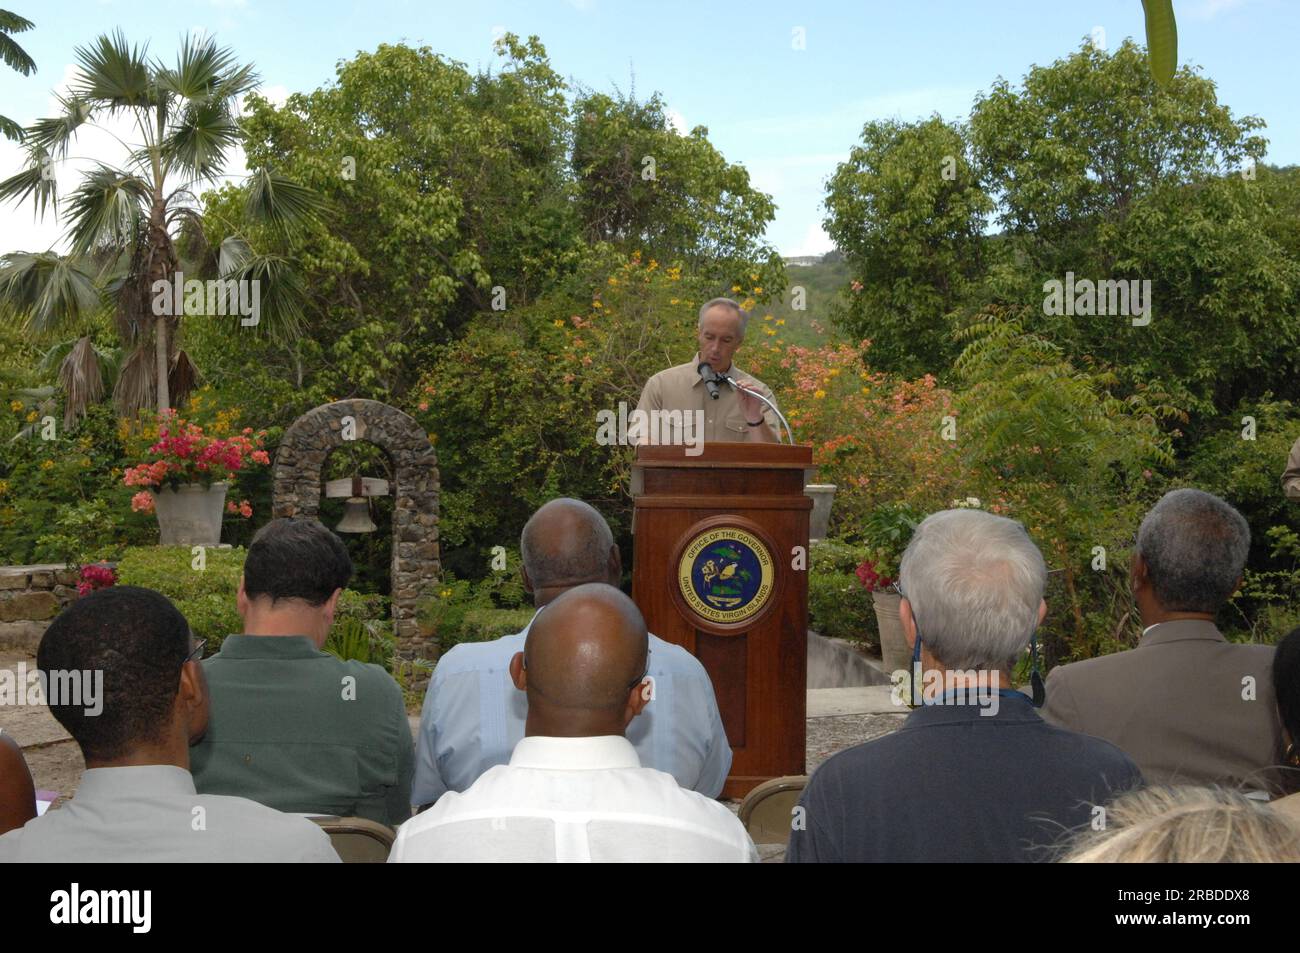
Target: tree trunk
<point>160,361</point>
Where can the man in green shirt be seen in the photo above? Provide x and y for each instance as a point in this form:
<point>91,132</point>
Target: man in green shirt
<point>292,726</point>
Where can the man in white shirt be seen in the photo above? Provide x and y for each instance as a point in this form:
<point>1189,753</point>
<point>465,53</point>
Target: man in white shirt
<point>125,682</point>
<point>574,789</point>
<point>473,717</point>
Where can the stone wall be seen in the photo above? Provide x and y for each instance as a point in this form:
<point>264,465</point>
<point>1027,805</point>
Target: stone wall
<point>297,492</point>
<point>30,596</point>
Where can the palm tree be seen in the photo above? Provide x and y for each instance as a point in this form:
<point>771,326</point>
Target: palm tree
<point>15,57</point>
<point>126,218</point>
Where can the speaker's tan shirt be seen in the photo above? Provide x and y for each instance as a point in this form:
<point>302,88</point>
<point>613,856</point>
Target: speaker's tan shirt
<point>680,388</point>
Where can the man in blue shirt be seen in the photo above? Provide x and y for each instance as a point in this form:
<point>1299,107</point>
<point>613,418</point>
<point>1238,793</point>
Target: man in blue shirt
<point>474,716</point>
<point>974,774</point>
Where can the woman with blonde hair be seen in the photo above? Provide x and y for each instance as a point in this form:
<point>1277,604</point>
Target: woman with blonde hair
<point>1179,825</point>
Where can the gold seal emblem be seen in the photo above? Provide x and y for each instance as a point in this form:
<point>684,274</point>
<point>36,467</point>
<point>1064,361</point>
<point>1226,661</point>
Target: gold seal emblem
<point>726,575</point>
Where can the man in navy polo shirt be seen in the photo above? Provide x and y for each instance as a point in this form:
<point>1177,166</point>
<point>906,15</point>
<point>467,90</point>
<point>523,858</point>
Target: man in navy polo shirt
<point>974,774</point>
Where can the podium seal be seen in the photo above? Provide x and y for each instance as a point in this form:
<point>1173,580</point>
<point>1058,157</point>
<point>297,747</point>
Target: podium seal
<point>726,575</point>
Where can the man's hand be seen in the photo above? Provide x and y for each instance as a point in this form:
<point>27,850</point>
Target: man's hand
<point>753,408</point>
<point>751,405</point>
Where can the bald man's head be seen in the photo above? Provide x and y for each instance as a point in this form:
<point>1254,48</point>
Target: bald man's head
<point>585,658</point>
<point>567,543</point>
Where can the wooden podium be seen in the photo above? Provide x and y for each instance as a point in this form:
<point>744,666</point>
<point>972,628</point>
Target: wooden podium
<point>716,538</point>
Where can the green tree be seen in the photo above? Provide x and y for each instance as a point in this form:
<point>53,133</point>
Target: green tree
<point>908,212</point>
<point>15,57</point>
<point>1100,175</point>
<point>643,187</point>
<point>186,125</point>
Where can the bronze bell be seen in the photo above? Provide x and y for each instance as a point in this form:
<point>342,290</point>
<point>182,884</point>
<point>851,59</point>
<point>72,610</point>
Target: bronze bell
<point>356,515</point>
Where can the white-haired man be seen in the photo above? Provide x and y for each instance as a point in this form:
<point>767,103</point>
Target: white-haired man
<point>735,415</point>
<point>974,774</point>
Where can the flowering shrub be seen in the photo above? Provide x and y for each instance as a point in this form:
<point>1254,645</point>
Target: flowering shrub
<point>878,437</point>
<point>184,453</point>
<point>870,578</point>
<point>95,577</point>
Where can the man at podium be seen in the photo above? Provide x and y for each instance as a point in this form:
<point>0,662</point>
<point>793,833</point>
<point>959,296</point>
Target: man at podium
<point>712,385</point>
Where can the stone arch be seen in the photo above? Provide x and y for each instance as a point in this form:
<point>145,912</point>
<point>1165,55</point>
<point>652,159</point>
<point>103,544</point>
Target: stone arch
<point>297,487</point>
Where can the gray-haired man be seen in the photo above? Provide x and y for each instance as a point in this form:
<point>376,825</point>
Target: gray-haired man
<point>1187,705</point>
<point>974,774</point>
<point>735,416</point>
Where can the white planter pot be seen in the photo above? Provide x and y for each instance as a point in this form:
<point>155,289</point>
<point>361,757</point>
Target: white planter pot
<point>190,515</point>
<point>894,654</point>
<point>820,519</point>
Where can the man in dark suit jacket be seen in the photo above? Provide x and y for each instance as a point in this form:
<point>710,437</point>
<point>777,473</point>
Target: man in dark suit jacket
<point>974,774</point>
<point>1187,705</point>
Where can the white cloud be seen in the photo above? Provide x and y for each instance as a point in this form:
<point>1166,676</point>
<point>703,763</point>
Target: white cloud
<point>815,242</point>
<point>105,140</point>
<point>677,122</point>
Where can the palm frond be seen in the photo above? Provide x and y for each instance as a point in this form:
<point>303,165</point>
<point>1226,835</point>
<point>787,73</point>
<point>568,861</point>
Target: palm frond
<point>282,203</point>
<point>13,55</point>
<point>54,133</point>
<point>280,293</point>
<point>205,72</point>
<point>35,181</point>
<point>10,129</point>
<point>82,380</point>
<point>183,378</point>
<point>48,289</point>
<point>199,141</point>
<point>134,390</point>
<point>107,209</point>
<point>115,73</point>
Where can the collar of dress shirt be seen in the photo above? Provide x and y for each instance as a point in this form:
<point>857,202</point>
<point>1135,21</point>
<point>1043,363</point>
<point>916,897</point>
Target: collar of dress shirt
<point>269,646</point>
<point>575,754</point>
<point>1179,630</point>
<point>134,781</point>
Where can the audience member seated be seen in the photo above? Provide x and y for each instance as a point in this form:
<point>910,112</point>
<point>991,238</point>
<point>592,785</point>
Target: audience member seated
<point>1187,705</point>
<point>974,774</point>
<point>136,800</point>
<point>473,717</point>
<point>1188,825</point>
<point>1286,689</point>
<point>293,726</point>
<point>574,789</point>
<point>17,792</point>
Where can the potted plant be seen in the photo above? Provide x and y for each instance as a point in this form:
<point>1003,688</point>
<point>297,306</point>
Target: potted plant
<point>186,478</point>
<point>887,532</point>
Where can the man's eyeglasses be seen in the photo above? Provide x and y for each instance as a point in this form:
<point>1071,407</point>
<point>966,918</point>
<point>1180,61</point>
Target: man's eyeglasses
<point>201,645</point>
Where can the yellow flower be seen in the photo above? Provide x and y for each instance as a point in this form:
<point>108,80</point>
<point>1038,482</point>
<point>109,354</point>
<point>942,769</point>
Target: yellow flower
<point>866,390</point>
<point>31,418</point>
<point>735,287</point>
<point>4,487</point>
<point>674,300</point>
<point>445,593</point>
<point>780,322</point>
<point>559,323</point>
<point>597,304</point>
<point>653,265</point>
<point>612,281</point>
<point>47,464</point>
<point>835,372</point>
<point>767,317</point>
<point>819,394</point>
<point>753,277</point>
<point>16,405</point>
<point>768,331</point>
<point>758,290</point>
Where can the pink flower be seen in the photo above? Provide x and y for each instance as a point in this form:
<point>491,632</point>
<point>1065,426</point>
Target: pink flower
<point>261,456</point>
<point>245,509</point>
<point>142,502</point>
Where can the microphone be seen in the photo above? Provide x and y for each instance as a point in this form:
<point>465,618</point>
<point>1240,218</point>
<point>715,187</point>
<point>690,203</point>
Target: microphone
<point>710,376</point>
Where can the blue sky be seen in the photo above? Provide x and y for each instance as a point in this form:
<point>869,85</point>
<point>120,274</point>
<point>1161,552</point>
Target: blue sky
<point>788,115</point>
